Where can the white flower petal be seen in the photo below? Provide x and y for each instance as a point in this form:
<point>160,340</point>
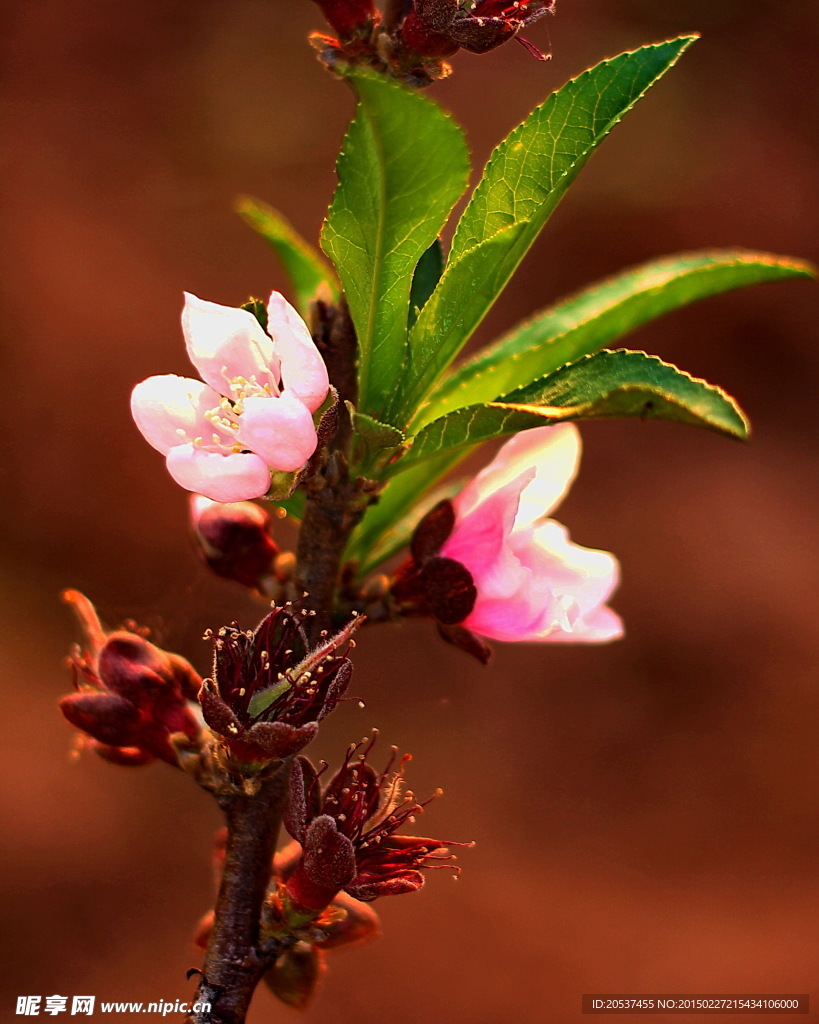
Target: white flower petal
<point>169,410</point>
<point>557,461</point>
<point>235,476</point>
<point>224,343</point>
<point>586,575</point>
<point>280,430</point>
<point>302,369</point>
<point>602,626</point>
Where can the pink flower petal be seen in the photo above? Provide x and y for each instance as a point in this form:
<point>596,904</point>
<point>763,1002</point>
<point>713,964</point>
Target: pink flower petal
<point>224,343</point>
<point>280,430</point>
<point>511,619</point>
<point>533,583</point>
<point>479,541</point>
<point>554,454</point>
<point>235,476</point>
<point>302,369</point>
<point>169,410</point>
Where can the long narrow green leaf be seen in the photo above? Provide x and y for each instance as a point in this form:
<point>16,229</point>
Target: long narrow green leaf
<point>306,267</point>
<point>403,166</point>
<point>524,181</point>
<point>599,316</point>
<point>607,384</point>
<point>441,321</point>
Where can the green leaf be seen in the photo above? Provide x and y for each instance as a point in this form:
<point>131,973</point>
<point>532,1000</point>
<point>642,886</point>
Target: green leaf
<point>607,384</point>
<point>532,168</point>
<point>403,166</point>
<point>262,700</point>
<point>258,307</point>
<point>388,525</point>
<point>525,179</point>
<point>426,277</point>
<point>600,315</point>
<point>374,443</point>
<point>439,330</point>
<point>306,267</point>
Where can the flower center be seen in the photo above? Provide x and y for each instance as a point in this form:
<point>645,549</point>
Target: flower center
<point>224,417</point>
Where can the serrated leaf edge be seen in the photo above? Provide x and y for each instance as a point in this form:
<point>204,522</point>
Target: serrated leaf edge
<point>686,42</point>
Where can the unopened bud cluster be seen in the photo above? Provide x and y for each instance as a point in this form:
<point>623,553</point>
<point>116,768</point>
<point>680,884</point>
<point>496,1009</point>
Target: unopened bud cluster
<point>132,699</point>
<point>412,41</point>
<point>270,689</point>
<point>346,852</point>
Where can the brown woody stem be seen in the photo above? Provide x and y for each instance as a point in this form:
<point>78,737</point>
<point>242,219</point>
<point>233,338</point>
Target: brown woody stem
<point>331,512</point>
<point>235,961</point>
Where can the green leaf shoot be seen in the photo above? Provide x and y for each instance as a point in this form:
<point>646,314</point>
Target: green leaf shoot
<point>525,179</point>
<point>307,269</point>
<point>403,166</point>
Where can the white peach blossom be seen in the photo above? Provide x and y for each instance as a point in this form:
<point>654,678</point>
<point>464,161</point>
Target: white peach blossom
<point>251,413</point>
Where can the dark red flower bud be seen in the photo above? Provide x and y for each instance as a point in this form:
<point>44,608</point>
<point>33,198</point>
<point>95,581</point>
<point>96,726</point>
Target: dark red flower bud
<point>132,698</point>
<point>234,539</point>
<point>482,27</point>
<point>106,717</point>
<point>347,834</point>
<point>349,17</point>
<point>269,689</point>
<point>427,584</point>
<point>131,666</point>
<point>419,37</point>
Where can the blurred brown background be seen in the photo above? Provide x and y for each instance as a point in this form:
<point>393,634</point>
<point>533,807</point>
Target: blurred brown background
<point>645,813</point>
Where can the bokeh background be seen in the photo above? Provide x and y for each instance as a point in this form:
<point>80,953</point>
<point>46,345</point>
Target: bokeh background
<point>645,813</point>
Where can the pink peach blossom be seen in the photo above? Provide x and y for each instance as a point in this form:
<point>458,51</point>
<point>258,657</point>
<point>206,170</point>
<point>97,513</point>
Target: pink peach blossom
<point>532,582</point>
<point>252,410</point>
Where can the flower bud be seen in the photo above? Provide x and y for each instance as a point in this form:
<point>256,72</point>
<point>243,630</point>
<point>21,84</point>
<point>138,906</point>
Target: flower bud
<point>349,17</point>
<point>132,698</point>
<point>437,28</point>
<point>270,689</point>
<point>420,37</point>
<point>106,717</point>
<point>234,539</point>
